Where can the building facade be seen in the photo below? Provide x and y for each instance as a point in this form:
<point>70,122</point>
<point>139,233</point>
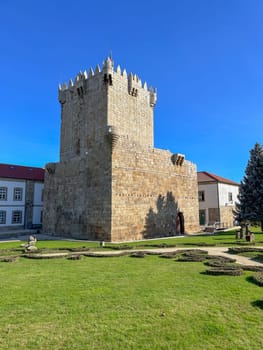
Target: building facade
<point>111,183</point>
<point>21,197</point>
<point>217,197</point>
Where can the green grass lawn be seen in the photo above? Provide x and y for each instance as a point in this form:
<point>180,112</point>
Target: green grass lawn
<point>126,303</point>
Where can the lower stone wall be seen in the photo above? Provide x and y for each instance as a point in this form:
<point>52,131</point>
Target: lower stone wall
<point>148,192</point>
<point>77,197</point>
<point>121,193</point>
<point>226,216</point>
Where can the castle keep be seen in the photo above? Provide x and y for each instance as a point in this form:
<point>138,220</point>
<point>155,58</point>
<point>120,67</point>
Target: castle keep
<point>111,183</point>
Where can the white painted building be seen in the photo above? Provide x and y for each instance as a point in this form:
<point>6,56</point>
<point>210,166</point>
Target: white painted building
<point>217,197</point>
<point>21,197</point>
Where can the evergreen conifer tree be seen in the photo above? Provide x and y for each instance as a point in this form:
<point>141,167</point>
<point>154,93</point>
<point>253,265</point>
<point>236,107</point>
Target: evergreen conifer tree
<point>250,206</point>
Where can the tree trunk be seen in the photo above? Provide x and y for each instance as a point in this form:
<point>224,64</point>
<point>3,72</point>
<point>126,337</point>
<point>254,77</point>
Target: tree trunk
<point>262,225</point>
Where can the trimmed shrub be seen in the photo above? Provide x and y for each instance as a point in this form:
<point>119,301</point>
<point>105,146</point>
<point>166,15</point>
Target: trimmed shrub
<point>201,244</point>
<point>238,250</point>
<point>121,247</point>
<point>168,255</point>
<point>193,258</point>
<point>252,268</point>
<point>80,249</point>
<point>192,252</point>
<point>219,265</point>
<point>222,259</point>
<point>224,271</point>
<point>258,278</point>
<point>9,258</point>
<point>137,255</point>
<point>104,255</point>
<point>159,245</point>
<point>74,257</point>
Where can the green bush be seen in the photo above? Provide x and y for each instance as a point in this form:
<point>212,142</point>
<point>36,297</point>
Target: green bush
<point>137,255</point>
<point>218,263</point>
<point>74,257</point>
<point>258,278</point>
<point>238,250</point>
<point>9,258</point>
<point>224,271</point>
<point>171,255</point>
<point>194,258</point>
<point>252,268</point>
<point>222,259</point>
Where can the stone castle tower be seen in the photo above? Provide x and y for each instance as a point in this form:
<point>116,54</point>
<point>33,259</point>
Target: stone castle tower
<point>111,183</point>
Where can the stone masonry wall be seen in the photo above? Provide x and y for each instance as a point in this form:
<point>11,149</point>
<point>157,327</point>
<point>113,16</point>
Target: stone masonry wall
<point>148,191</point>
<point>226,216</point>
<point>78,197</point>
<point>130,113</point>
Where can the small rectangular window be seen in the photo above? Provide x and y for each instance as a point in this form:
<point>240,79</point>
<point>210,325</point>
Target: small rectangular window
<point>2,217</point>
<point>230,196</point>
<point>41,216</point>
<point>42,195</point>
<point>201,196</point>
<point>3,193</point>
<point>17,217</point>
<point>18,193</point>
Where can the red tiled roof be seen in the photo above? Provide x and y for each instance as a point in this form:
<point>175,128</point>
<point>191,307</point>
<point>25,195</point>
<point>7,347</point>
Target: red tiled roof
<point>21,172</point>
<point>204,176</point>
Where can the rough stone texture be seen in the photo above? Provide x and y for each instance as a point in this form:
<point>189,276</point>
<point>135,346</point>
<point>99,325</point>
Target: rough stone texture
<point>111,183</point>
<point>226,216</point>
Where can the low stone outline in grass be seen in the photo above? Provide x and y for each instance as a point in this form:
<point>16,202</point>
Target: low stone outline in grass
<point>9,258</point>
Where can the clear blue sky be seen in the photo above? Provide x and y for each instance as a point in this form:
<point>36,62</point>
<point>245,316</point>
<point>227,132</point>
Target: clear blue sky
<point>204,56</point>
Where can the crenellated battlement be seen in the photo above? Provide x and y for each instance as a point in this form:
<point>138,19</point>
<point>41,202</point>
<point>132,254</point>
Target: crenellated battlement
<point>106,76</point>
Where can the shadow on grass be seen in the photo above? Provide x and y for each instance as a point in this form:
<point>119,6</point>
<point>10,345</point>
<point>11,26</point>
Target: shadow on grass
<point>257,258</point>
<point>250,279</point>
<point>258,304</point>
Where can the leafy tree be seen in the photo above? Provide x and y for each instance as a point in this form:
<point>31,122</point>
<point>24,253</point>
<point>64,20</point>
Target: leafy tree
<point>250,206</point>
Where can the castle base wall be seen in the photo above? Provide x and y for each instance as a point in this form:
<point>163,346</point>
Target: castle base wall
<point>151,196</point>
<point>77,198</point>
<point>226,216</point>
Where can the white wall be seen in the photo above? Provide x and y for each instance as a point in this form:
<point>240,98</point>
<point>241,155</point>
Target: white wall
<point>36,220</point>
<point>37,203</point>
<point>11,185</point>
<point>38,188</point>
<point>211,196</point>
<point>10,204</point>
<point>224,189</point>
